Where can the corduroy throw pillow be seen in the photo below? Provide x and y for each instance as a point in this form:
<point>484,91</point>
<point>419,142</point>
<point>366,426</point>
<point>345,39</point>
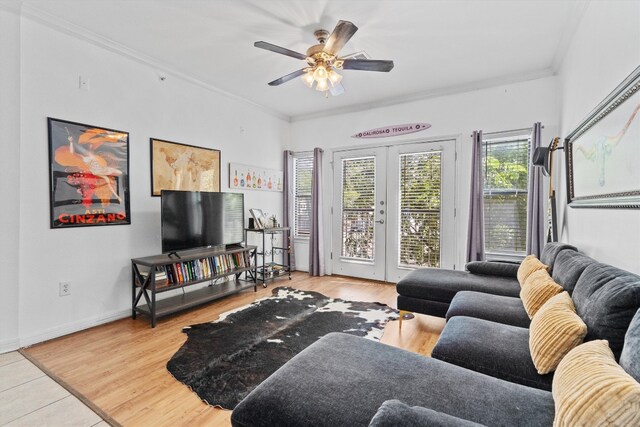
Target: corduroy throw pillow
<point>530,264</point>
<point>554,331</point>
<point>591,389</point>
<point>538,289</point>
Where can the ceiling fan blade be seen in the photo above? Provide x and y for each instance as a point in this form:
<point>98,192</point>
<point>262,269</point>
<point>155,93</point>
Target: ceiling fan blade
<point>279,49</point>
<point>339,37</point>
<point>337,89</point>
<point>367,65</point>
<point>288,77</point>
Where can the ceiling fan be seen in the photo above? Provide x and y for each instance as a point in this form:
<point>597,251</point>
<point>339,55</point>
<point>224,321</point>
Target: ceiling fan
<point>323,61</point>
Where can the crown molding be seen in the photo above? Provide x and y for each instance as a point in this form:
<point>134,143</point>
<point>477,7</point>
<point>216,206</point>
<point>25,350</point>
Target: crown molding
<point>570,29</point>
<point>451,90</point>
<point>81,33</point>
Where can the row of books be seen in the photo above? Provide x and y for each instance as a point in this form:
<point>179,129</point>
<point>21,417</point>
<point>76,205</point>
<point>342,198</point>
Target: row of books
<point>199,269</point>
<point>203,268</point>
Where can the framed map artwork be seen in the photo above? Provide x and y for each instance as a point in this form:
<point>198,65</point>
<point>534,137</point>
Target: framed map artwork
<point>88,175</point>
<point>183,167</point>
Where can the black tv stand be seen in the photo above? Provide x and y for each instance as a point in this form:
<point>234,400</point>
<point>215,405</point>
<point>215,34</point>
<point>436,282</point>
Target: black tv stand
<point>161,273</point>
<point>174,253</point>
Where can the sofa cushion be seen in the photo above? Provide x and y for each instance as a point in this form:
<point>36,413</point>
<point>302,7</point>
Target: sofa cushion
<point>394,413</point>
<point>342,380</point>
<point>530,264</point>
<point>496,308</point>
<point>568,268</point>
<point>607,298</point>
<point>551,250</point>
<point>442,285</point>
<point>493,268</point>
<point>501,351</point>
<point>536,290</point>
<point>590,388</point>
<point>630,357</point>
<point>554,331</point>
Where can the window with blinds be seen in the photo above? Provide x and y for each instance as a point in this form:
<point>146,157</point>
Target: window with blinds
<point>505,163</point>
<point>358,203</point>
<point>302,171</point>
<point>420,197</point>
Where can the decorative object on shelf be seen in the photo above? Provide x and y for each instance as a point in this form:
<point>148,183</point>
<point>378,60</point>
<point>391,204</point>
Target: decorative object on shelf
<point>393,130</point>
<point>176,166</point>
<point>323,61</point>
<point>258,218</point>
<point>246,177</point>
<point>602,152</point>
<point>258,348</point>
<point>88,175</point>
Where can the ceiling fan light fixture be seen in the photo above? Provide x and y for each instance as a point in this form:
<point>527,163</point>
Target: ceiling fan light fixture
<point>320,73</point>
<point>322,85</point>
<point>334,77</point>
<point>308,79</point>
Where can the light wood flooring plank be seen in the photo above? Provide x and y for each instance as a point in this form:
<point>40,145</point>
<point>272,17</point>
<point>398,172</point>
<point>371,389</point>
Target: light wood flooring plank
<point>119,369</point>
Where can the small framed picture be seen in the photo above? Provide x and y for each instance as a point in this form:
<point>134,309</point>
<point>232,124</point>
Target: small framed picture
<point>258,218</point>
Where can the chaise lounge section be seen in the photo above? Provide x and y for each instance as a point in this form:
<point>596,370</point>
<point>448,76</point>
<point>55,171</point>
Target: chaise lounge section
<point>342,380</point>
<point>431,290</point>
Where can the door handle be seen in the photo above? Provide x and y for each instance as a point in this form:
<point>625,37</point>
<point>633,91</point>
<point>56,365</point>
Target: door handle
<point>380,221</point>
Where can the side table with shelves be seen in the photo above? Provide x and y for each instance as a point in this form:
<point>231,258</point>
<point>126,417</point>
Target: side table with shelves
<point>156,274</point>
<point>271,267</point>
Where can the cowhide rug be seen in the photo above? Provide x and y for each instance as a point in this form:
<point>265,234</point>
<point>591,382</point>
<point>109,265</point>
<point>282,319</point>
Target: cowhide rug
<point>223,361</point>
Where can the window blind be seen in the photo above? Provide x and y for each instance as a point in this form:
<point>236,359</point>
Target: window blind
<point>506,170</point>
<point>302,172</point>
<point>358,203</point>
<point>420,201</point>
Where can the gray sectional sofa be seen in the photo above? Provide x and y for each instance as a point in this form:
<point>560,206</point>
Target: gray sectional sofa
<point>481,370</point>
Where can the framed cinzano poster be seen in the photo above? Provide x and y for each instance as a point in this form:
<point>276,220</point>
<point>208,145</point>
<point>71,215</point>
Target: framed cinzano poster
<point>183,167</point>
<point>88,175</point>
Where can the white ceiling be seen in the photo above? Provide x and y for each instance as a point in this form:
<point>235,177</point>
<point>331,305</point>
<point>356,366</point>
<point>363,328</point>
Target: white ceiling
<point>437,46</point>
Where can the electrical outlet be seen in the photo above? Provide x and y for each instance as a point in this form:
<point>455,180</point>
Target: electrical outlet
<point>65,289</point>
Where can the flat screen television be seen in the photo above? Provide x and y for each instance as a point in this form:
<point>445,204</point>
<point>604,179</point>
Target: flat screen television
<point>198,219</point>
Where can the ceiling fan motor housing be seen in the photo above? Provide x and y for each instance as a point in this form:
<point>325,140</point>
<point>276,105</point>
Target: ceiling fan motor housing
<point>321,35</point>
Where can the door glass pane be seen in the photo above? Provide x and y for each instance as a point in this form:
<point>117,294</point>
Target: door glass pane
<point>358,203</point>
<point>420,197</point>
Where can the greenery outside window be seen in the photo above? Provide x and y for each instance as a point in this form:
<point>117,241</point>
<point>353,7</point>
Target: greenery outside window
<point>505,163</point>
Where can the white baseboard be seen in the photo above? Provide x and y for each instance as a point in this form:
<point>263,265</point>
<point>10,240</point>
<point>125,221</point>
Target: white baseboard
<point>9,345</point>
<point>70,328</point>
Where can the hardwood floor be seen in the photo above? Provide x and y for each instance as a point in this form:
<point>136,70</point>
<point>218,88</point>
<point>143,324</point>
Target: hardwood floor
<point>119,369</point>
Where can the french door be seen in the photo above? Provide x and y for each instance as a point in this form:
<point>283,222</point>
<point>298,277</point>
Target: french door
<point>393,210</point>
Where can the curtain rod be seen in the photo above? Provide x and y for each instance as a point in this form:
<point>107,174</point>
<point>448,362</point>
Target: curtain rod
<point>508,131</point>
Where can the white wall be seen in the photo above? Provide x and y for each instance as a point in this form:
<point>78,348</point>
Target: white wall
<point>128,95</point>
<point>500,108</point>
<point>9,184</point>
<point>604,50</point>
